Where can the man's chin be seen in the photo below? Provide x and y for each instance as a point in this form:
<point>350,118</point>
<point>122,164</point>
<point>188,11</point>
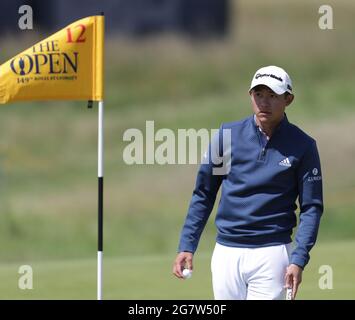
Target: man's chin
<point>264,118</point>
<point>264,114</point>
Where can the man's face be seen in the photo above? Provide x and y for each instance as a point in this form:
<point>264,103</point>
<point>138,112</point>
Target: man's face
<point>268,106</point>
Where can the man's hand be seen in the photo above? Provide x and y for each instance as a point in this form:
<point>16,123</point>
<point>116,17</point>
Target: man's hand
<point>293,278</point>
<point>182,260</point>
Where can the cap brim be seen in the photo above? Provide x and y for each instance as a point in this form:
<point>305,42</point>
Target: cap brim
<point>276,89</point>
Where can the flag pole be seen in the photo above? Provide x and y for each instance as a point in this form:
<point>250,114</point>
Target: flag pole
<point>100,197</point>
<point>100,194</point>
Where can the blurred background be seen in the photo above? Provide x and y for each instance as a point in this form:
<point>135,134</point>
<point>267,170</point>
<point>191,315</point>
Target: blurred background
<point>183,64</point>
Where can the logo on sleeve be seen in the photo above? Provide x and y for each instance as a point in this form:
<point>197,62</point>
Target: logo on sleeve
<point>315,177</point>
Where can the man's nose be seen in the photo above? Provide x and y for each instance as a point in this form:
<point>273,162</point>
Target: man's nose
<point>265,103</point>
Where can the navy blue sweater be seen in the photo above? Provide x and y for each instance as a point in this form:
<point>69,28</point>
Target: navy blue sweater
<point>259,193</point>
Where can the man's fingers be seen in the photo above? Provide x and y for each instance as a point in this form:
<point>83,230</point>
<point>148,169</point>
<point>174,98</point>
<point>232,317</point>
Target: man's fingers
<point>293,278</point>
<point>288,280</point>
<point>294,292</point>
<point>177,271</point>
<point>178,266</point>
<point>182,261</point>
<point>189,264</point>
<point>296,283</point>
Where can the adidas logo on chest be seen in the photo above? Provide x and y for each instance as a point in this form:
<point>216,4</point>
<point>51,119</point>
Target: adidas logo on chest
<point>285,162</point>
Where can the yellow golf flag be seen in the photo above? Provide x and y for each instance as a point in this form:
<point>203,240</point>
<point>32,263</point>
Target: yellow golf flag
<point>66,66</point>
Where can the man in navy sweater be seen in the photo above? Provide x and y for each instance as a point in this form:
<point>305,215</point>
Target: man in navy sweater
<point>271,164</point>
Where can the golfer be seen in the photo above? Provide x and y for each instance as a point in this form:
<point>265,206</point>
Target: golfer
<point>272,164</point>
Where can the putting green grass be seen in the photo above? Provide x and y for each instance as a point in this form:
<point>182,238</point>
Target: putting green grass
<point>150,277</point>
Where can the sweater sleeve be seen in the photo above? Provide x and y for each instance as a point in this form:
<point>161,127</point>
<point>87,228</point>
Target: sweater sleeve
<point>204,195</point>
<point>311,205</point>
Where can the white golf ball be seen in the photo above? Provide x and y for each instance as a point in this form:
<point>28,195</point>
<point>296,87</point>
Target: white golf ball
<point>187,273</point>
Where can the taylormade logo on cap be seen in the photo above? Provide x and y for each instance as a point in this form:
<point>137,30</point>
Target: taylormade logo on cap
<point>273,77</point>
<point>259,75</point>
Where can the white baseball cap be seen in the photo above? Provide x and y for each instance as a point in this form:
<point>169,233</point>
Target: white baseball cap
<point>273,77</point>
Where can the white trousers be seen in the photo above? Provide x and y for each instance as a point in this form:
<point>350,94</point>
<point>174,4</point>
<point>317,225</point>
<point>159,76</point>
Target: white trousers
<point>249,273</point>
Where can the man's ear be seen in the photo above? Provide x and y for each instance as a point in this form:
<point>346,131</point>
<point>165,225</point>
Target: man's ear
<point>289,98</point>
